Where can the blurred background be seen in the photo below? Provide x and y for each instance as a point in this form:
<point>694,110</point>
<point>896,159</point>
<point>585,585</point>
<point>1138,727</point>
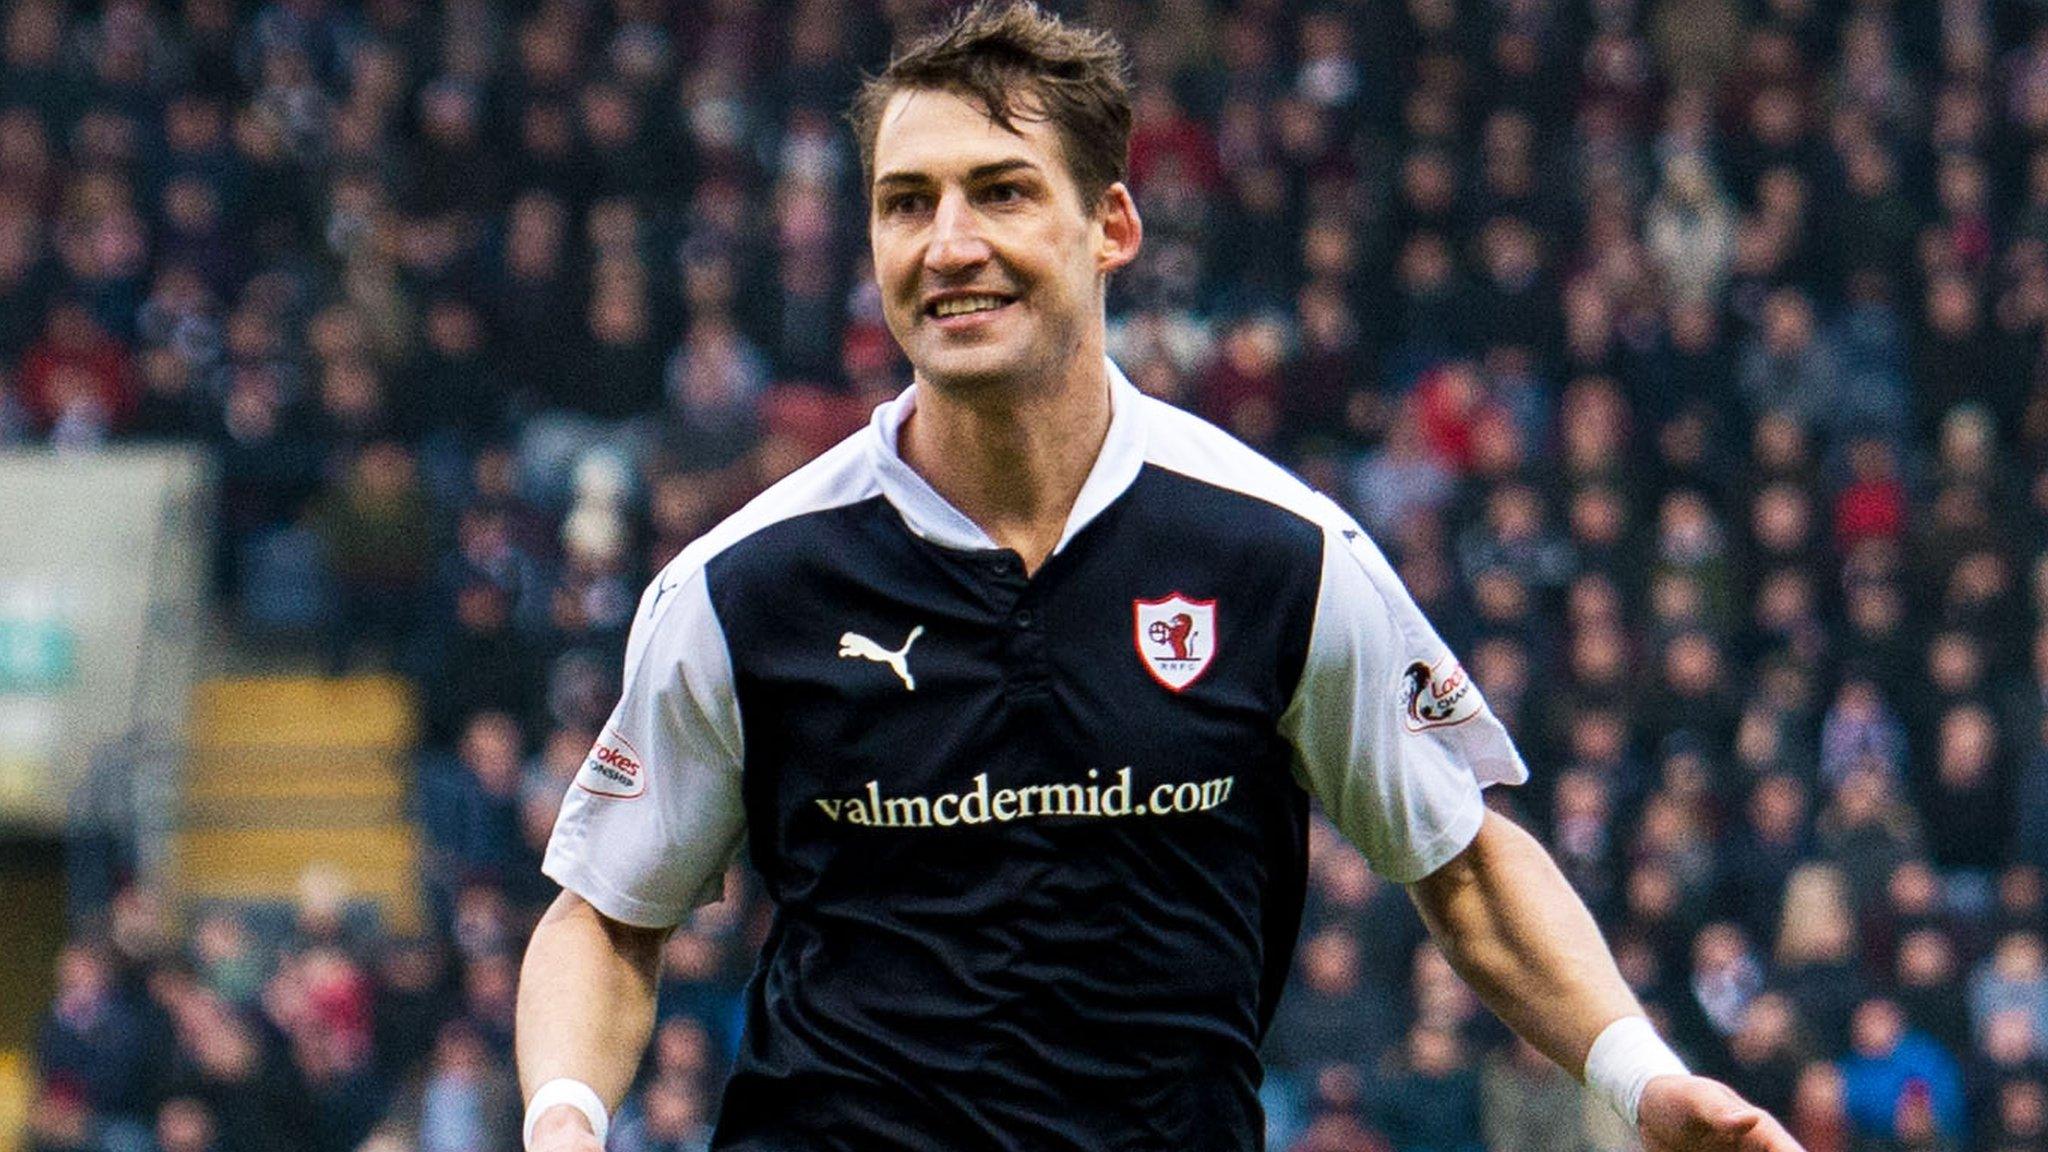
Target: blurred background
<point>359,362</point>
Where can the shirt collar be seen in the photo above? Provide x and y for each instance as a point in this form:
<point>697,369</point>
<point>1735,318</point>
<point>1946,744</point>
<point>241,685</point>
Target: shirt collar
<point>930,516</point>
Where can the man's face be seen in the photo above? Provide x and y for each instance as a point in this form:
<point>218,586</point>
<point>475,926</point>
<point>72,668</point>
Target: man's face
<point>990,266</point>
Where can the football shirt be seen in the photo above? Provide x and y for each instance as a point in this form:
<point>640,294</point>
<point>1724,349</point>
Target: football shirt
<point>1037,845</point>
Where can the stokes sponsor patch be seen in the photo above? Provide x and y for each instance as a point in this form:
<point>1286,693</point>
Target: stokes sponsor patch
<point>612,769</point>
<point>1437,695</point>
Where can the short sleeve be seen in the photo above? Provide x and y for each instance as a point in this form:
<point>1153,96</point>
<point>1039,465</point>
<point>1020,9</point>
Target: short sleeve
<point>1388,730</point>
<point>655,813</point>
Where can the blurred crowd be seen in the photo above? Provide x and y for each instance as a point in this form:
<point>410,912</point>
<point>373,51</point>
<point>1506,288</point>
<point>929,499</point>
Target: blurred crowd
<point>1686,356</point>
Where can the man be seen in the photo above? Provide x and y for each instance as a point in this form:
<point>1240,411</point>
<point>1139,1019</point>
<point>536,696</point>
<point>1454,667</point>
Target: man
<point>1019,697</point>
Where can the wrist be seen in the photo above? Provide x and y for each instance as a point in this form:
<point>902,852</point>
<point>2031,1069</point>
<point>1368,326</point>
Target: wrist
<point>565,1105</point>
<point>1626,1056</point>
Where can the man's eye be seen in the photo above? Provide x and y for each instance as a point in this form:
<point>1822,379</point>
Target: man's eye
<point>909,202</point>
<point>1003,193</point>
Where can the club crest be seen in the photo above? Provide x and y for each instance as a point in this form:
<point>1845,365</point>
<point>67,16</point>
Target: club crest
<point>1176,638</point>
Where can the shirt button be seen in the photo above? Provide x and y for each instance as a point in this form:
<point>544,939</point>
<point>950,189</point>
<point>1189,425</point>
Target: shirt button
<point>1025,618</point>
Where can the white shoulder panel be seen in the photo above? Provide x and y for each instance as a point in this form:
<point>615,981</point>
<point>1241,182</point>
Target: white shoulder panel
<point>1389,732</point>
<point>1183,442</point>
<point>655,813</point>
<point>841,476</point>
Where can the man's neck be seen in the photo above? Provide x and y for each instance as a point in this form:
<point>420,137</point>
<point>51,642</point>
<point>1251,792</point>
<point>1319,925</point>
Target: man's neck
<point>1013,463</point>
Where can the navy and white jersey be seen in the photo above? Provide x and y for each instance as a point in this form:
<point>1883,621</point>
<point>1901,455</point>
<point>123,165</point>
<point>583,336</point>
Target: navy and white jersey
<point>1037,844</point>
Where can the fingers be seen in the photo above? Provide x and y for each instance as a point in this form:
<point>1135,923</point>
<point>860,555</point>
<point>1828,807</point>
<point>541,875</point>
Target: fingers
<point>1723,1114</point>
<point>1738,1121</point>
<point>1695,1114</point>
<point>1729,1127</point>
<point>1767,1135</point>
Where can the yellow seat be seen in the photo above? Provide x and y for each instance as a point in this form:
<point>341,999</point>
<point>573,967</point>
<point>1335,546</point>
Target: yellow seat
<point>291,773</point>
<point>16,1086</point>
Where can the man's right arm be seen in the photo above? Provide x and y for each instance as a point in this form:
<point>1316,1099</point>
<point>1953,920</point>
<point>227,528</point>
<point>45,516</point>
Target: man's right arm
<point>586,1012</point>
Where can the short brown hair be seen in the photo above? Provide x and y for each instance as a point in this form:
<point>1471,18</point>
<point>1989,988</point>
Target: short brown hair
<point>1000,50</point>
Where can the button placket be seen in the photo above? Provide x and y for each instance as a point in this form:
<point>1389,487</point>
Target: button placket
<point>1029,670</point>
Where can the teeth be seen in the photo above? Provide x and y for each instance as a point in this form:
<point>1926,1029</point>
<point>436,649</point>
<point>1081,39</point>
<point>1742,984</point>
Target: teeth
<point>961,305</point>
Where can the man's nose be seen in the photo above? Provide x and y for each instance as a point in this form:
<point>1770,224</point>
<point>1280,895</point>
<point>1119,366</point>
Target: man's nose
<point>956,242</point>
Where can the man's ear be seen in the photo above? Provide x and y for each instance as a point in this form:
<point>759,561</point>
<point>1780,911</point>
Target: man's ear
<point>1122,230</point>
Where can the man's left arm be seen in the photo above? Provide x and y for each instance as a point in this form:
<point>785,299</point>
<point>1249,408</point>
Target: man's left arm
<point>1394,738</point>
<point>1511,925</point>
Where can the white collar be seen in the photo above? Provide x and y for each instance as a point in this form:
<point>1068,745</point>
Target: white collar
<point>930,516</point>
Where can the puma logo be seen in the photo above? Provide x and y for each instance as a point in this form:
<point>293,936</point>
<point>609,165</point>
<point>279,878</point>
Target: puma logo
<point>854,645</point>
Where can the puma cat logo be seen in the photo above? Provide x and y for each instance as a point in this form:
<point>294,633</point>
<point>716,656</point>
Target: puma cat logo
<point>853,645</point>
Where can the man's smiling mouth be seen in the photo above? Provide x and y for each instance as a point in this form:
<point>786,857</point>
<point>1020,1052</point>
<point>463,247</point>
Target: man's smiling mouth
<point>964,305</point>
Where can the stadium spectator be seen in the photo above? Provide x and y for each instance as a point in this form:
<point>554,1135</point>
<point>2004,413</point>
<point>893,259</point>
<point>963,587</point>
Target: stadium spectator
<point>92,1042</point>
<point>1340,1017</point>
<point>468,1102</point>
<point>1817,965</point>
<point>1431,1101</point>
<point>1767,1051</point>
<point>78,380</point>
<point>1898,1081</point>
<point>1525,1099</point>
<point>185,1124</point>
<point>668,1117</point>
<point>1929,989</point>
<point>2013,978</point>
<point>469,808</point>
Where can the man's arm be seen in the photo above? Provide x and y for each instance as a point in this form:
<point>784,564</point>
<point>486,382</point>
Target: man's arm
<point>586,1011</point>
<point>1513,928</point>
<point>1511,925</point>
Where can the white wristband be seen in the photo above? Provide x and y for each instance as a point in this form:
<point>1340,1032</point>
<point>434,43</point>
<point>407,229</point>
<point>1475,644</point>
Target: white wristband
<point>576,1094</point>
<point>1628,1055</point>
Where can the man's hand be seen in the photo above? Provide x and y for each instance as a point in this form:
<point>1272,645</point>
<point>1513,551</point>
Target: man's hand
<point>564,1129</point>
<point>1695,1114</point>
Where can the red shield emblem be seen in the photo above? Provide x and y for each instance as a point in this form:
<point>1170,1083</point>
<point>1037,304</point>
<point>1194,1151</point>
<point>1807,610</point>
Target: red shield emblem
<point>1176,638</point>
